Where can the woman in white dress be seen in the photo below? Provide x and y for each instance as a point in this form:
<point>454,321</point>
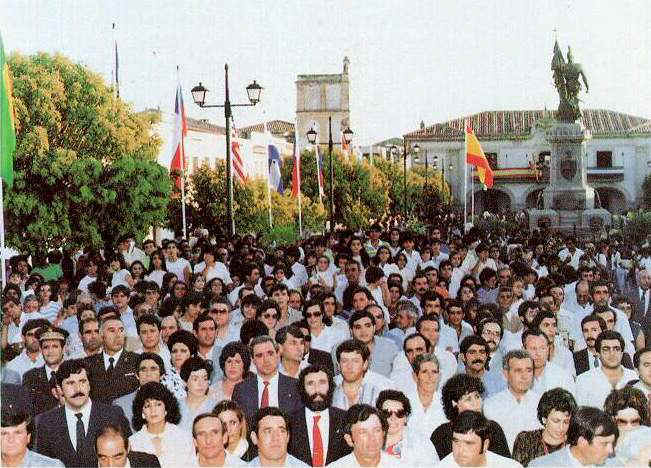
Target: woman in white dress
<point>155,416</point>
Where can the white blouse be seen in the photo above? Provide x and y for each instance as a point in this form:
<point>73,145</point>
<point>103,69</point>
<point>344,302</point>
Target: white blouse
<point>176,444</point>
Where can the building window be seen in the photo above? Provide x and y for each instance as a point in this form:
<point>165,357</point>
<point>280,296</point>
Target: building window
<point>492,160</point>
<point>604,159</point>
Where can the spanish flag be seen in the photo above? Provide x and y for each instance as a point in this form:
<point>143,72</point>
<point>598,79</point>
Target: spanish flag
<point>475,156</point>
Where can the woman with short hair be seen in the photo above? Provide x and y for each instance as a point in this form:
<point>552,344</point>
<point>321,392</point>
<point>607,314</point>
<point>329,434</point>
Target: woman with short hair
<point>555,410</point>
<point>196,373</point>
<point>155,416</point>
<point>234,362</point>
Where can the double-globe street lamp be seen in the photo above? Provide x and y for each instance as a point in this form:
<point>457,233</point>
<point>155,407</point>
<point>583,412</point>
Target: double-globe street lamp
<point>199,96</point>
<point>395,151</point>
<point>348,137</point>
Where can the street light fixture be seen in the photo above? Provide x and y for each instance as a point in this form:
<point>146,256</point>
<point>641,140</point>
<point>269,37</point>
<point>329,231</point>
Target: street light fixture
<point>253,92</point>
<point>348,137</point>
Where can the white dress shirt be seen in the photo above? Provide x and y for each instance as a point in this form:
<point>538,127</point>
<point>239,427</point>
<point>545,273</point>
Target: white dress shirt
<point>116,358</point>
<point>71,421</point>
<point>513,416</point>
<point>592,387</point>
<point>492,460</point>
<point>273,390</point>
<point>423,421</point>
<point>553,376</point>
<point>324,428</point>
<point>177,446</point>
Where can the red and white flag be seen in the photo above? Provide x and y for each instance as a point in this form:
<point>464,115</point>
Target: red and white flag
<point>180,131</point>
<point>239,169</point>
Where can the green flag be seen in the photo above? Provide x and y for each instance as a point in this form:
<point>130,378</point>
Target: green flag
<point>7,128</point>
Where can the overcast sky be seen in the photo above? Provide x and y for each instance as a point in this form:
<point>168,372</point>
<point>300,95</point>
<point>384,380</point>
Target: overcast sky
<point>410,60</point>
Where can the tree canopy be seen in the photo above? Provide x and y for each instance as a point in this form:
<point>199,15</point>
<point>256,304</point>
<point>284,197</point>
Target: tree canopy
<point>85,163</point>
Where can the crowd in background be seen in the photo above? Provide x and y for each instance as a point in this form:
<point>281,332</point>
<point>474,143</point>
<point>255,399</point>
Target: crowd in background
<point>454,347</point>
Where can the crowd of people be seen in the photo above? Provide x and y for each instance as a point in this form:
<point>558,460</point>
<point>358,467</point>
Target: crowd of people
<point>457,347</point>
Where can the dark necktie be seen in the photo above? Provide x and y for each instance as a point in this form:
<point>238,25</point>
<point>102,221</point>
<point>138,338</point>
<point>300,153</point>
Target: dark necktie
<point>110,366</point>
<point>596,361</point>
<point>81,433</point>
<point>317,443</point>
<point>53,379</point>
<point>264,401</point>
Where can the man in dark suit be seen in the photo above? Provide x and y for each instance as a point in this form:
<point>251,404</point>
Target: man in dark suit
<point>69,432</point>
<point>40,382</point>
<point>588,358</point>
<point>268,387</point>
<point>112,373</point>
<point>640,296</point>
<point>317,430</point>
<point>112,446</point>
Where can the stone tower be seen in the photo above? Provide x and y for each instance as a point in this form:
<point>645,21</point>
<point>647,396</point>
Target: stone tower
<point>319,97</point>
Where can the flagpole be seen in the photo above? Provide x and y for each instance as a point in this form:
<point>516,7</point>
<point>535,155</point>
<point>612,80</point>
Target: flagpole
<point>266,139</point>
<point>116,65</point>
<point>297,161</point>
<point>465,175</point>
<point>183,168</point>
<point>472,191</point>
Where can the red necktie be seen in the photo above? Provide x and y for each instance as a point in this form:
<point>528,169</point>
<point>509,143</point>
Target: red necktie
<point>265,395</point>
<point>317,443</point>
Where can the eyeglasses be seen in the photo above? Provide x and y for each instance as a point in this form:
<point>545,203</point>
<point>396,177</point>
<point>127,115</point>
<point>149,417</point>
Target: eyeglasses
<point>397,413</point>
<point>268,316</point>
<point>313,314</point>
<point>219,311</point>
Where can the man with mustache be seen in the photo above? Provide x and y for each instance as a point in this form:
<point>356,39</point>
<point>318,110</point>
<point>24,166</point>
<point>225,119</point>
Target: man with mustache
<point>317,436</point>
<point>474,354</point>
<point>68,432</point>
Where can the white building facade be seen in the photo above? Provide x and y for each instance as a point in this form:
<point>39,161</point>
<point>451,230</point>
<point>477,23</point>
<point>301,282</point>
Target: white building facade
<point>619,157</point>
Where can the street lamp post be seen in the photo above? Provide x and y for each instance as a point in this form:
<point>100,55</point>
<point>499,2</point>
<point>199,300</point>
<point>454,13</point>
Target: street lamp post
<point>396,152</point>
<point>199,96</point>
<point>311,137</point>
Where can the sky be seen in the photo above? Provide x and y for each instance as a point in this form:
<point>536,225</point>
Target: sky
<point>410,61</point>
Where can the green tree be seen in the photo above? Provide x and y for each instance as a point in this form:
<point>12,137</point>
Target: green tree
<point>646,192</point>
<point>85,164</point>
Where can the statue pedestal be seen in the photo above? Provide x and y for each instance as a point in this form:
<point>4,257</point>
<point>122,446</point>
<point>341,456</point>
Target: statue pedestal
<point>568,200</point>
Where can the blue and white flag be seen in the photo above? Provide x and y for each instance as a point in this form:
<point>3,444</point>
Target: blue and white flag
<point>275,163</point>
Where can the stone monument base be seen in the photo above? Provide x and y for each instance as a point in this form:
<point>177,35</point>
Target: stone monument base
<point>568,220</point>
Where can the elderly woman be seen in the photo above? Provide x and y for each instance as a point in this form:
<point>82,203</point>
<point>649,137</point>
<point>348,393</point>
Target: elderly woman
<point>196,373</point>
<point>427,410</point>
<point>155,417</point>
<point>234,361</point>
<point>555,409</point>
<point>460,393</point>
<point>233,416</point>
<point>182,345</point>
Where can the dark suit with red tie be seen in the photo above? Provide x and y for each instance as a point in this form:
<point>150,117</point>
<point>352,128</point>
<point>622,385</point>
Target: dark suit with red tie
<point>245,394</point>
<point>299,443</point>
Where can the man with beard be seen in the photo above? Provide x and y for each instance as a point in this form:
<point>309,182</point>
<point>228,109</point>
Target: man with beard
<point>91,340</point>
<point>474,355</point>
<point>490,330</point>
<point>68,432</point>
<point>317,436</point>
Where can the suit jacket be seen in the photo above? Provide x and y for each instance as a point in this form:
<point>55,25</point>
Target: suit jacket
<point>35,382</point>
<point>126,403</point>
<point>15,399</point>
<point>582,365</point>
<point>106,388</point>
<point>299,444</point>
<point>51,436</point>
<point>639,313</point>
<point>142,459</point>
<point>321,358</point>
<point>245,394</point>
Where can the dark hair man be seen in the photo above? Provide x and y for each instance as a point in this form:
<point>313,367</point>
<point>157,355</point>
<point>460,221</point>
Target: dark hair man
<point>593,386</point>
<point>271,433</point>
<point>317,436</point>
<point>383,350</point>
<point>365,432</point>
<point>68,432</point>
<point>210,436</point>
